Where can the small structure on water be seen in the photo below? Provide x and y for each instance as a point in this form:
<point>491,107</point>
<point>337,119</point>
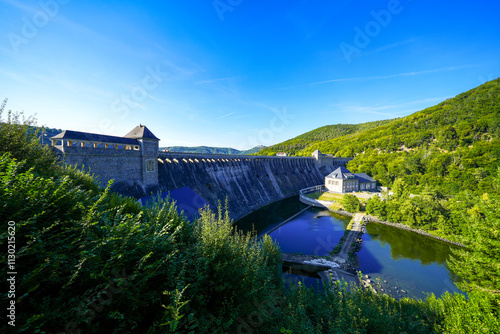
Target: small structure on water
<point>342,181</point>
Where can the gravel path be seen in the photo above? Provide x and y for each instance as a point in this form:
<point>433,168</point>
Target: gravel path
<point>352,234</point>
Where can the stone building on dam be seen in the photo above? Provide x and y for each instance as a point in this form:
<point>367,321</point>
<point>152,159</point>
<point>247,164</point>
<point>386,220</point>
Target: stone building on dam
<point>139,169</point>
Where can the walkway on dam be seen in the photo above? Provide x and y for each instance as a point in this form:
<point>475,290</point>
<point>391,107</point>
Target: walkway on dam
<point>188,156</point>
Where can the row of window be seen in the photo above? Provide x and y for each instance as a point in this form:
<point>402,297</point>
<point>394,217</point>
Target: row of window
<point>73,143</point>
<point>351,185</point>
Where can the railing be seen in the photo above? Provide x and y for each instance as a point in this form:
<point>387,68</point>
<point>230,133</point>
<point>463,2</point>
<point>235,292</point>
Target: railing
<point>314,189</point>
<point>311,201</point>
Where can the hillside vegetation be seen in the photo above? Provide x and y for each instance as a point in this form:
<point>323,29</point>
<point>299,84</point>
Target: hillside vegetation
<point>296,145</point>
<point>454,145</point>
<point>89,261</point>
<point>461,121</point>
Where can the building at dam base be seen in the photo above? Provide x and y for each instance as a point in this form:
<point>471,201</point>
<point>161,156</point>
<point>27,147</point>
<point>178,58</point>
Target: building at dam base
<point>342,180</point>
<point>139,169</point>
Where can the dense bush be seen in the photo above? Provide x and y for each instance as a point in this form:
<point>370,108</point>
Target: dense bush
<point>97,262</point>
<point>351,203</point>
<point>89,261</point>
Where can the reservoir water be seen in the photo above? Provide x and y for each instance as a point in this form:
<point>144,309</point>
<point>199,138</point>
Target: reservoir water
<point>407,264</point>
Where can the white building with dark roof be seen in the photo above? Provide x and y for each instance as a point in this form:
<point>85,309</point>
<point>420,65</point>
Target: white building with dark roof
<point>342,180</point>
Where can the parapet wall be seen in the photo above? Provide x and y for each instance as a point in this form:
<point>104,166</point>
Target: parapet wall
<point>125,167</point>
<point>249,182</point>
<point>106,164</point>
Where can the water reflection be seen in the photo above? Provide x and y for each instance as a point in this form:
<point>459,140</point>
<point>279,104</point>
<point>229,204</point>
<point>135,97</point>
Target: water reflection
<point>291,277</point>
<point>314,232</point>
<point>270,215</point>
<point>407,264</point>
<point>406,244</point>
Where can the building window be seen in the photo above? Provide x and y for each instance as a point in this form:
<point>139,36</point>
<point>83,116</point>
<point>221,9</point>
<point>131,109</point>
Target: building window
<point>150,165</point>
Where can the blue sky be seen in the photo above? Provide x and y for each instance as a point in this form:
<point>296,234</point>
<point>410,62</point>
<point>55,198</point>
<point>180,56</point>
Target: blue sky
<point>239,73</point>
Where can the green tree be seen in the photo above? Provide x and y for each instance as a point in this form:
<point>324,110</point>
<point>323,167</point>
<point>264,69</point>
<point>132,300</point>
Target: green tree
<point>376,206</point>
<point>351,203</point>
<point>400,189</point>
<point>447,138</point>
<point>19,137</point>
<point>480,264</point>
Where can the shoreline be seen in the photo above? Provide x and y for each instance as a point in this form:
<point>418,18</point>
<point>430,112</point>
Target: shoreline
<point>373,219</point>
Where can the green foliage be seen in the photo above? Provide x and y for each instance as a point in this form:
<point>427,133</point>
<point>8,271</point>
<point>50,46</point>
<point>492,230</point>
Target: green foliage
<point>461,121</point>
<point>480,265</point>
<point>352,310</point>
<point>297,145</point>
<point>351,203</point>
<point>18,135</point>
<point>479,313</point>
<point>453,146</point>
<point>376,206</point>
<point>95,262</point>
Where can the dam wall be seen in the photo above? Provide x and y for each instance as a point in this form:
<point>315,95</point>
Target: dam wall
<point>140,170</point>
<point>249,182</point>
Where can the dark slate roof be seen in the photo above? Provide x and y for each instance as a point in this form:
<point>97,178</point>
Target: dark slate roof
<point>94,137</point>
<point>364,177</point>
<point>341,173</point>
<point>141,131</point>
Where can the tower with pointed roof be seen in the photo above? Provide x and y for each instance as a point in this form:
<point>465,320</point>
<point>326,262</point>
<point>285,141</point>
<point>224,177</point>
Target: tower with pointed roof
<point>150,152</point>
<point>131,160</point>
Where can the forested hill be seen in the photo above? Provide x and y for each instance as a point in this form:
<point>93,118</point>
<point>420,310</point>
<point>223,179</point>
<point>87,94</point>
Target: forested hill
<point>296,145</point>
<point>452,146</point>
<point>457,122</point>
<point>460,121</point>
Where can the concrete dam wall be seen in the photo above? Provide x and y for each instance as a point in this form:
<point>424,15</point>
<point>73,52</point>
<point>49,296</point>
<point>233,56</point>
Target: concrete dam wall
<point>249,182</point>
<point>139,170</point>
